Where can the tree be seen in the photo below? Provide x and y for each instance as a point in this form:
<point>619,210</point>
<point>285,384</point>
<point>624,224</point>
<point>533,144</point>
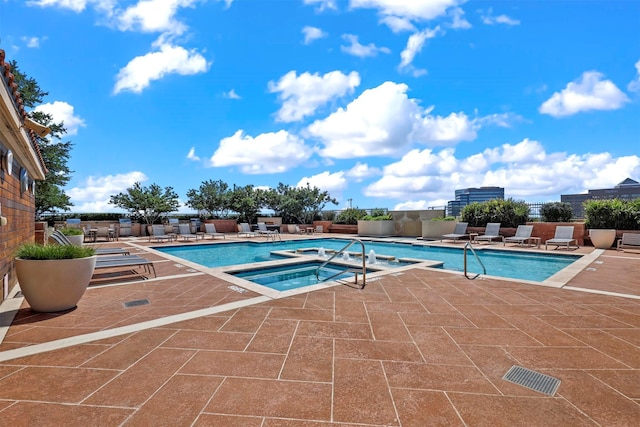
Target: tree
<point>50,195</point>
<point>150,203</point>
<point>297,204</point>
<point>556,212</point>
<point>247,202</point>
<point>213,197</point>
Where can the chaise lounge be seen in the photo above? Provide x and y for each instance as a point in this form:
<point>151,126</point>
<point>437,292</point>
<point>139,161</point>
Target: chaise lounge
<point>629,241</point>
<point>522,236</point>
<point>563,237</point>
<point>491,233</point>
<point>459,232</point>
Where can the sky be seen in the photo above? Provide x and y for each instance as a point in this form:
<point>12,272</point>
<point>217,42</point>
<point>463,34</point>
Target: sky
<point>383,103</point>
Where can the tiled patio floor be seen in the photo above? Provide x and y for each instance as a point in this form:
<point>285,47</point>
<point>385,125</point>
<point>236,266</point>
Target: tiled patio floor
<point>420,348</point>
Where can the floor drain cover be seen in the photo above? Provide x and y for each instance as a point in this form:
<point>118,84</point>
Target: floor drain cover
<point>532,380</point>
<point>136,303</point>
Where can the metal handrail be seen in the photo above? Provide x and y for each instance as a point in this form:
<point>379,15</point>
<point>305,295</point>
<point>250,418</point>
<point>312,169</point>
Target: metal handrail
<point>347,246</point>
<point>468,245</point>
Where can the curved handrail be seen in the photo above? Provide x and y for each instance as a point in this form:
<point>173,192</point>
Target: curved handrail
<point>347,246</point>
<point>468,245</point>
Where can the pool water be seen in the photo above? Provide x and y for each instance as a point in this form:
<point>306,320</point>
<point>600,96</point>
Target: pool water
<point>293,276</point>
<point>521,265</point>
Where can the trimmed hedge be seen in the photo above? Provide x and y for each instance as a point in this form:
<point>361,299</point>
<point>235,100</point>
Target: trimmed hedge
<point>509,213</point>
<point>614,213</point>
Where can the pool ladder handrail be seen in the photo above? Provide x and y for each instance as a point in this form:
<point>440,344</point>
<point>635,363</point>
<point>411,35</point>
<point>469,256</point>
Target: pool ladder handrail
<point>335,254</point>
<point>469,246</point>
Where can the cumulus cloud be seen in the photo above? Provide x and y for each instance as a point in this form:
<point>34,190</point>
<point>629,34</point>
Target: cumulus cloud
<point>142,70</point>
<point>426,178</point>
<point>360,50</point>
<point>63,112</point>
<point>267,153</point>
<point>412,10</point>
<point>153,16</point>
<point>327,181</point>
<point>397,24</point>
<point>634,85</point>
<point>458,22</point>
<point>231,95</point>
<point>489,19</point>
<point>74,5</point>
<point>322,4</point>
<point>589,92</point>
<point>414,46</point>
<point>362,171</point>
<point>93,194</point>
<point>367,127</point>
<point>191,155</point>
<point>312,33</point>
<point>302,95</point>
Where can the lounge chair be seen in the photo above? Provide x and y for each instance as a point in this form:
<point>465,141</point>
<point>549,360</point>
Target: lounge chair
<point>125,261</point>
<point>210,230</point>
<point>174,222</point>
<point>61,239</point>
<point>269,234</point>
<point>629,241</point>
<point>523,235</point>
<point>184,232</point>
<point>244,229</point>
<point>158,233</point>
<point>319,229</point>
<point>459,232</point>
<point>491,232</point>
<point>562,237</point>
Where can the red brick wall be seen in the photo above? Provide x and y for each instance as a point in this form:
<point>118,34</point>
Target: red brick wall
<point>19,209</point>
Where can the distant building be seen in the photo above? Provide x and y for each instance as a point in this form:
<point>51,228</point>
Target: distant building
<point>466,196</point>
<point>626,190</point>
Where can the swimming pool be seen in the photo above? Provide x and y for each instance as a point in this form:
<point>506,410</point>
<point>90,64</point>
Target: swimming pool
<point>502,263</point>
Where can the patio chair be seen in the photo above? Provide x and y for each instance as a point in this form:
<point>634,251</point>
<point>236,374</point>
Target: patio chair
<point>562,237</point>
<point>184,232</point>
<point>319,229</point>
<point>629,241</point>
<point>158,233</point>
<point>459,232</point>
<point>125,261</point>
<point>244,229</point>
<point>174,222</point>
<point>210,230</point>
<point>107,233</point>
<point>523,235</point>
<point>491,232</point>
<point>61,239</point>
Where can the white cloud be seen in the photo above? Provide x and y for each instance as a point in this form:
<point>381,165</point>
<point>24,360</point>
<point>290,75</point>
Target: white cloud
<point>93,194</point>
<point>397,24</point>
<point>361,171</point>
<point>142,70</point>
<point>415,10</point>
<point>151,16</point>
<point>330,182</point>
<point>458,21</point>
<point>489,19</point>
<point>367,127</point>
<point>589,92</point>
<point>634,85</point>
<point>74,5</point>
<point>424,178</point>
<point>191,155</point>
<point>302,95</point>
<point>415,43</point>
<point>33,42</point>
<point>267,153</point>
<point>312,33</point>
<point>357,49</point>
<point>63,112</point>
<point>231,95</point>
<point>322,4</point>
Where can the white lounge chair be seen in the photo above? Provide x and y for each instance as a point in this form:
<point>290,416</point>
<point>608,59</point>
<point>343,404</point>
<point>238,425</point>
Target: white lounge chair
<point>184,232</point>
<point>629,241</point>
<point>210,230</point>
<point>491,232</point>
<point>562,237</point>
<point>522,236</point>
<point>459,232</point>
<point>244,229</point>
<point>319,229</point>
<point>158,234</point>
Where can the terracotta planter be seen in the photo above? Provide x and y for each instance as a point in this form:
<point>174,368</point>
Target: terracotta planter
<point>54,285</point>
<point>601,238</point>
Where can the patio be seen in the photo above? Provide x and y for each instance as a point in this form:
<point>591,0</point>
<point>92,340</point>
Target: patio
<point>417,348</point>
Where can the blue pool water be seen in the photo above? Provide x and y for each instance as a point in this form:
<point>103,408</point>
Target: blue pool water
<point>293,276</point>
<point>522,265</point>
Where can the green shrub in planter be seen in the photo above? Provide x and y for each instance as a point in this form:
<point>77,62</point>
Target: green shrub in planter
<point>556,212</point>
<point>612,214</point>
<point>509,213</point>
<point>350,216</point>
<point>68,231</point>
<point>39,252</point>
<point>384,217</point>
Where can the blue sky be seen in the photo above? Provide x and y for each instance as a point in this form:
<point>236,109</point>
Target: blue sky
<point>383,103</point>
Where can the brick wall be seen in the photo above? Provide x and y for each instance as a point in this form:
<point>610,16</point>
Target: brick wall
<point>19,209</point>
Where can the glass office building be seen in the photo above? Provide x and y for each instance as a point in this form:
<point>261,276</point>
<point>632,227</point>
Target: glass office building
<point>626,190</point>
<point>470,195</point>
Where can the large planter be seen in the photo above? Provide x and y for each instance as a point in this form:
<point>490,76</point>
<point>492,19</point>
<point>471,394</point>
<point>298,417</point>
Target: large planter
<point>601,238</point>
<point>376,228</point>
<point>76,239</point>
<point>436,229</point>
<point>54,285</point>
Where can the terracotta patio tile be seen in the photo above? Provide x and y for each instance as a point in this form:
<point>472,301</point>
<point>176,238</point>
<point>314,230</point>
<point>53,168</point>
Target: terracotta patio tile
<point>437,377</point>
<point>205,323</point>
<point>263,343</point>
<point>320,300</point>
<point>214,420</point>
<point>70,356</point>
<point>135,385</point>
<point>350,311</point>
<point>564,358</point>
<point>429,319</point>
<point>361,393</point>
<point>421,408</point>
<point>272,398</point>
<point>377,350</point>
<point>282,327</point>
<point>436,346</point>
<point>206,340</point>
<point>583,322</point>
<point>395,307</point>
<point>612,347</point>
<point>309,359</point>
<point>247,320</point>
<point>624,381</point>
<point>631,336</point>
<point>177,403</point>
<point>230,363</point>
<point>301,314</point>
<point>506,337</point>
<point>334,330</point>
<point>387,326</point>
<point>542,332</point>
<point>27,414</point>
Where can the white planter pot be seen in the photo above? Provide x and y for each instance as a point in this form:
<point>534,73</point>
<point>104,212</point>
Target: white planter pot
<point>602,239</point>
<point>54,285</point>
<point>376,228</point>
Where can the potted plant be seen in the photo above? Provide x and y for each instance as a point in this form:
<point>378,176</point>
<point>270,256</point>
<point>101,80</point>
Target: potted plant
<point>378,223</point>
<point>54,277</point>
<point>75,235</point>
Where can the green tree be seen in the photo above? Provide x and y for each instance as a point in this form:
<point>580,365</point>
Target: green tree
<point>297,205</point>
<point>50,195</point>
<point>150,203</point>
<point>213,197</point>
<point>556,212</point>
<point>247,202</point>
<point>509,213</point>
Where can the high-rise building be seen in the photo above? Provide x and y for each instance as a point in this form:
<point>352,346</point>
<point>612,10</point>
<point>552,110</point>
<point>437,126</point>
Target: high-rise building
<point>626,190</point>
<point>466,196</point>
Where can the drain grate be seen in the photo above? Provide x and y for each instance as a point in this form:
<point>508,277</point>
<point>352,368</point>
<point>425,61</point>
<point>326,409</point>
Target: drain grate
<point>532,380</point>
<point>136,303</point>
